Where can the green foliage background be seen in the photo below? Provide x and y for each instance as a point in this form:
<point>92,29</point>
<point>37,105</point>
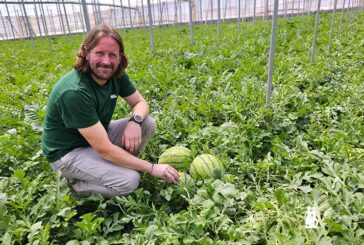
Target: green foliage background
<point>305,150</point>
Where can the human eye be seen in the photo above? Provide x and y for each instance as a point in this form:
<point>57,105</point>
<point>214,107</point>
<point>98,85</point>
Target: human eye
<point>99,53</point>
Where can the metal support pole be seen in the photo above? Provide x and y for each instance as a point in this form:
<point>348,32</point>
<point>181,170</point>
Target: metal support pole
<point>59,11</point>
<point>143,15</point>
<point>175,13</point>
<point>225,9</point>
<point>244,14</point>
<point>285,8</point>
<point>131,18</point>
<point>201,21</point>
<point>239,10</point>
<point>9,19</point>
<point>37,18</point>
<point>31,33</point>
<point>212,11</point>
<point>50,14</point>
<point>192,42</point>
<point>66,17</point>
<point>2,20</point>
<point>315,34</point>
<point>218,18</point>
<point>271,52</point>
<point>85,16</point>
<point>151,27</point>
<point>255,9</point>
<point>332,25</point>
<point>43,18</point>
<point>74,18</point>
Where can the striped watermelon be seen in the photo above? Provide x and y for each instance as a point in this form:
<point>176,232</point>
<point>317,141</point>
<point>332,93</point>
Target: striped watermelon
<point>178,157</point>
<point>185,180</point>
<point>206,165</point>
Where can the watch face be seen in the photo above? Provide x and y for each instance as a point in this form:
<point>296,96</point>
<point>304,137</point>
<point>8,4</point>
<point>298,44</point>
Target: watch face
<point>138,118</point>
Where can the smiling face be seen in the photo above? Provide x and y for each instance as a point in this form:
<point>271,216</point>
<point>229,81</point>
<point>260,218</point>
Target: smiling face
<point>104,59</point>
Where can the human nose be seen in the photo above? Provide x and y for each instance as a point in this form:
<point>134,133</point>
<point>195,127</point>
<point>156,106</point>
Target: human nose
<point>106,60</point>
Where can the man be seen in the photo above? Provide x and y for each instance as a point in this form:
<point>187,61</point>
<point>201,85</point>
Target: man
<point>92,153</point>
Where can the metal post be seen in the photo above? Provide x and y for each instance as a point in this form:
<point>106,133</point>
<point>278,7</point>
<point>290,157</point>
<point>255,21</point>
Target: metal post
<point>201,12</point>
<point>60,19</point>
<point>66,17</point>
<point>74,18</point>
<point>43,18</point>
<point>175,13</point>
<point>143,15</point>
<point>94,12</point>
<point>37,18</point>
<point>218,18</point>
<point>30,29</point>
<point>99,12</point>
<point>85,16</point>
<point>22,22</point>
<point>131,19</point>
<point>244,14</point>
<point>285,8</point>
<point>151,27</point>
<point>212,11</point>
<point>332,25</point>
<point>192,42</point>
<point>226,1</point>
<point>2,20</point>
<point>9,19</point>
<point>239,3</point>
<point>159,13</point>
<point>271,52</point>
<point>123,14</point>
<point>315,34</point>
<point>52,21</point>
<point>255,9</point>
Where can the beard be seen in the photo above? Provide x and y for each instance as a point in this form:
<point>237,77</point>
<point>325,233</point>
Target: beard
<point>103,71</point>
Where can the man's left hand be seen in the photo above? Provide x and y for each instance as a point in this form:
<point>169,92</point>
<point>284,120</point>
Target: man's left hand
<point>132,137</point>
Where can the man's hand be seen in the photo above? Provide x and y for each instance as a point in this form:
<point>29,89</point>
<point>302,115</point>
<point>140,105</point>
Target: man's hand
<point>165,172</point>
<point>132,137</point>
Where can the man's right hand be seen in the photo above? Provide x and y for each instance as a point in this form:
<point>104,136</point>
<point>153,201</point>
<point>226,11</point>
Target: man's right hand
<point>165,172</point>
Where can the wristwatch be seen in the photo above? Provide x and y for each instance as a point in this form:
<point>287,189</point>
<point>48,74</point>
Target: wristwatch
<point>137,118</point>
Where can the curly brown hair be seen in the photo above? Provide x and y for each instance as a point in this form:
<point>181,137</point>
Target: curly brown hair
<point>91,40</point>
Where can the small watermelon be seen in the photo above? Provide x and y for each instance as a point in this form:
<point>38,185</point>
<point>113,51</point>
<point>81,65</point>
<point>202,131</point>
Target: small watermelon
<point>206,165</point>
<point>178,157</point>
<point>185,180</point>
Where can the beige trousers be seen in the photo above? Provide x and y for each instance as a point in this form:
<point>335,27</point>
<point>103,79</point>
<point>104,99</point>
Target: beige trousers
<point>87,173</point>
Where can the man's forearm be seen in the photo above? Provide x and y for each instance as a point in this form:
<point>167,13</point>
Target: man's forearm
<point>141,108</point>
<point>123,158</point>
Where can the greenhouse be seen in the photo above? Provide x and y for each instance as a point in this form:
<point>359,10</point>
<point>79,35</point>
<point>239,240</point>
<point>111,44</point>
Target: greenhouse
<point>238,122</point>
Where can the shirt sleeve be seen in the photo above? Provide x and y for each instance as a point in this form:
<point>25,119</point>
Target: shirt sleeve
<point>78,110</point>
<point>126,87</point>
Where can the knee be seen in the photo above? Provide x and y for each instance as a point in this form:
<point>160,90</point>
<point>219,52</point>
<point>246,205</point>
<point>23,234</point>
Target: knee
<point>150,125</point>
<point>130,184</point>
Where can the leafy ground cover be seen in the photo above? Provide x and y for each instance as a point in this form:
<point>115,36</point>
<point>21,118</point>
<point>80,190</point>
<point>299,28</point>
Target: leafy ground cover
<point>307,149</point>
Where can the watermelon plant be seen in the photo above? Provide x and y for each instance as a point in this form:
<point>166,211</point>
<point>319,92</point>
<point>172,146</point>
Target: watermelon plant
<point>305,150</point>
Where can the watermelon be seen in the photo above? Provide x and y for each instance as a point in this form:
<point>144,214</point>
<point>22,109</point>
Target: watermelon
<point>206,165</point>
<point>185,180</point>
<point>178,157</point>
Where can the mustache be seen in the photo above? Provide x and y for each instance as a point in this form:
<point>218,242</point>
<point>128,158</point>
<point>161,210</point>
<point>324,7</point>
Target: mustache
<point>104,66</point>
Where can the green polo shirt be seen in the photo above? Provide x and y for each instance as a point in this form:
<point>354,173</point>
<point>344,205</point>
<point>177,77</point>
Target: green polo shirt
<point>77,101</point>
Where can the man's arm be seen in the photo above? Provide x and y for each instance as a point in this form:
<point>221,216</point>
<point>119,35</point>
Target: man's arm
<point>138,104</point>
<point>97,137</point>
<point>132,137</point>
